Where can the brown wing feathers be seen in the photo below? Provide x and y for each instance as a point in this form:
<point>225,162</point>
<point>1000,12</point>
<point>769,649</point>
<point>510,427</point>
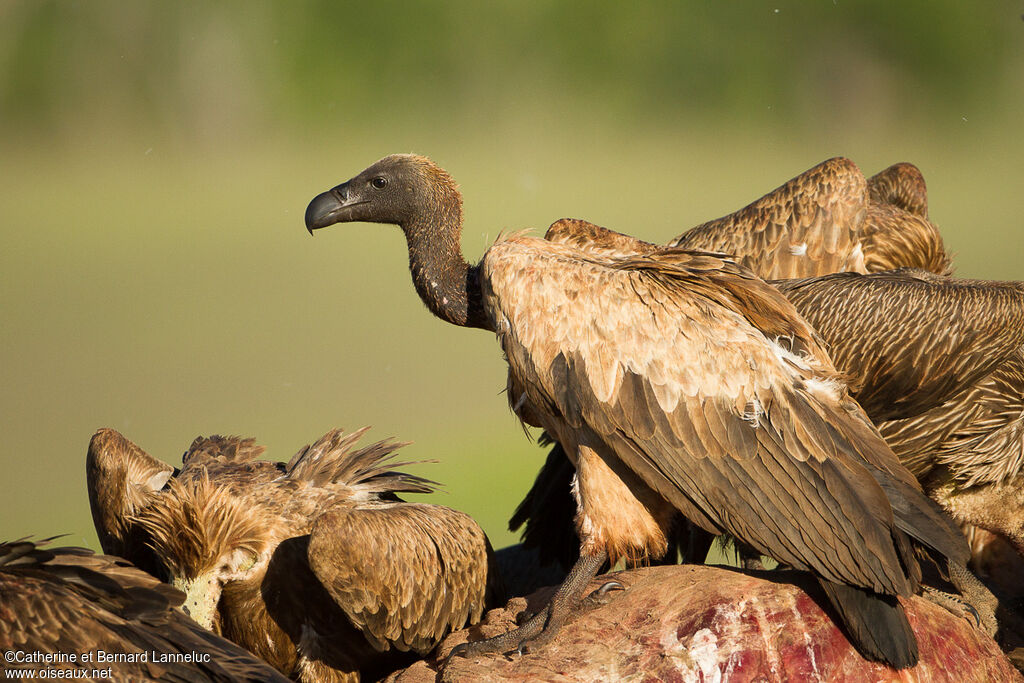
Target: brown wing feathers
<point>912,340</point>
<point>810,222</point>
<point>403,573</point>
<point>425,562</point>
<point>62,600</point>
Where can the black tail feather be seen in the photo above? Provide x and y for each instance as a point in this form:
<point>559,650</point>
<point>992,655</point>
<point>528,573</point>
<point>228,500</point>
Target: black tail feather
<point>875,624</point>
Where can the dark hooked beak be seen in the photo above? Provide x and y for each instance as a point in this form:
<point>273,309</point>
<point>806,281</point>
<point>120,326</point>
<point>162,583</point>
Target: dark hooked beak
<point>327,208</point>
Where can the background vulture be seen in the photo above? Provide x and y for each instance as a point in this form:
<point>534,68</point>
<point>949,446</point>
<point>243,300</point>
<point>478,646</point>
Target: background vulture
<point>64,601</point>
<point>827,220</point>
<point>316,565</point>
<point>687,386</point>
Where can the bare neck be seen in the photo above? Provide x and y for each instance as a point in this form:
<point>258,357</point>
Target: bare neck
<point>447,284</point>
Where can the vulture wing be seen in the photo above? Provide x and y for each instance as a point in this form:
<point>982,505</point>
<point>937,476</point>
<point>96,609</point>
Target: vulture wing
<point>405,574</point>
<point>64,600</point>
<point>703,381</point>
<point>901,185</point>
<point>989,448</point>
<point>978,434</point>
<point>122,479</point>
<point>910,340</point>
<point>809,226</point>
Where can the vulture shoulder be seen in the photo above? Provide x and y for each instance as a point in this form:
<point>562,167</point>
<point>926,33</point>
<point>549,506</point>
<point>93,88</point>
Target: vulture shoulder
<point>432,570</point>
<point>122,480</point>
<point>910,340</point>
<point>893,238</point>
<point>704,382</point>
<point>63,600</point>
<point>808,226</point>
<point>597,240</point>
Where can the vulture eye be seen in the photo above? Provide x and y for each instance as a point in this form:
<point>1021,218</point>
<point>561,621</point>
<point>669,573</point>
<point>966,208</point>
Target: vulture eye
<point>379,182</point>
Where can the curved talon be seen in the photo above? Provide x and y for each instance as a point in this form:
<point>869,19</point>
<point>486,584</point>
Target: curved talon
<point>969,608</point>
<point>460,650</point>
<point>609,586</point>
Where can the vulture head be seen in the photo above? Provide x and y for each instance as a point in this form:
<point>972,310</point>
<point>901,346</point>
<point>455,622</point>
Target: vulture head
<point>206,537</point>
<point>315,565</point>
<point>392,190</point>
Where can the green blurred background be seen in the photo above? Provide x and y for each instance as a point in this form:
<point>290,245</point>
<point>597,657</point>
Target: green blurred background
<point>157,157</point>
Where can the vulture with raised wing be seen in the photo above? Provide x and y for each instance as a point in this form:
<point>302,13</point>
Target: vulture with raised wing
<point>314,565</point>
<point>683,385</point>
<point>830,219</point>
<point>97,617</point>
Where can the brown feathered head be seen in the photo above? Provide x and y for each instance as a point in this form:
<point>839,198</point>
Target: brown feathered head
<point>206,536</point>
<point>387,192</point>
<point>197,527</point>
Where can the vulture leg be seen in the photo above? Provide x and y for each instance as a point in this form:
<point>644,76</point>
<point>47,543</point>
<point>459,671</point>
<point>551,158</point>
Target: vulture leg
<point>976,594</point>
<point>542,627</point>
<point>753,564</point>
<point>975,601</point>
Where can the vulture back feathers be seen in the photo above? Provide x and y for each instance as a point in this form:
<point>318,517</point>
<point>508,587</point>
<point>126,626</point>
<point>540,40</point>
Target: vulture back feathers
<point>830,219</point>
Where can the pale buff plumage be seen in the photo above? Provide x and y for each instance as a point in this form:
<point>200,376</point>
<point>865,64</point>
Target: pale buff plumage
<point>705,366</point>
<point>935,361</point>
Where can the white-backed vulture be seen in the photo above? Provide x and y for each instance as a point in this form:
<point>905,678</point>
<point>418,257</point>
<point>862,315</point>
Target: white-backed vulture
<point>63,602</point>
<point>314,565</point>
<point>688,386</point>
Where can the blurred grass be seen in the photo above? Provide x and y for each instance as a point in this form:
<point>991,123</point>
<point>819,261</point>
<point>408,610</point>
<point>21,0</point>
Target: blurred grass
<point>174,292</point>
<point>155,275</point>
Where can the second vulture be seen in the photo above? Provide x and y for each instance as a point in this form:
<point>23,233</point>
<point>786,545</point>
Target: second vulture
<point>314,565</point>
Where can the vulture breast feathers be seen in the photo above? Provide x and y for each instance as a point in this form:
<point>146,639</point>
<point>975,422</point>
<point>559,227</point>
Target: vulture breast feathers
<point>694,377</point>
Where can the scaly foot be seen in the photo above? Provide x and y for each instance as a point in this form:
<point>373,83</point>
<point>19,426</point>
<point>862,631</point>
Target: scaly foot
<point>542,627</point>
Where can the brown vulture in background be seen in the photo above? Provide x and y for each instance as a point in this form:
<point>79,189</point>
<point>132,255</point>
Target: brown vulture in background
<point>675,385</point>
<point>63,601</point>
<point>314,565</point>
<point>830,219</point>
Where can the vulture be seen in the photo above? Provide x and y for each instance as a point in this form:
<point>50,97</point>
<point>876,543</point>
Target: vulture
<point>830,219</point>
<point>63,603</point>
<point>314,565</point>
<point>676,385</point>
<point>827,219</point>
<point>939,365</point>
